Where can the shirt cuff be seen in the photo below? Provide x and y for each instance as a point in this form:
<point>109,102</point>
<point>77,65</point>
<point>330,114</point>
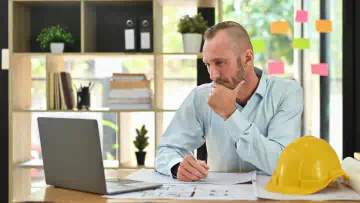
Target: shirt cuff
<point>173,163</point>
<point>237,125</point>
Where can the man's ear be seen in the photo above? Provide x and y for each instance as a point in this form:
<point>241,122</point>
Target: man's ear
<point>249,58</point>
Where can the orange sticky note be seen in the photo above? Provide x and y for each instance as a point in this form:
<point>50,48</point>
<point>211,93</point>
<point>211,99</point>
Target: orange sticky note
<point>321,69</point>
<point>324,25</point>
<point>275,68</point>
<point>279,27</point>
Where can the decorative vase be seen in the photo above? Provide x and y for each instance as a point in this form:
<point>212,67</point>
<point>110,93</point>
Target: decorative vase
<point>140,158</point>
<point>192,42</point>
<point>57,47</point>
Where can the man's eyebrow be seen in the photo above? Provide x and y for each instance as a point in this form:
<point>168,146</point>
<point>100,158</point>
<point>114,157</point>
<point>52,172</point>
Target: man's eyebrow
<point>218,59</point>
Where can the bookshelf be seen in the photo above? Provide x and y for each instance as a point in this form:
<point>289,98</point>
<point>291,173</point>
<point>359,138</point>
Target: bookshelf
<point>86,20</point>
<point>92,110</point>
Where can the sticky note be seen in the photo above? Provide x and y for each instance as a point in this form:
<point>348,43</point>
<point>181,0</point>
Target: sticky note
<point>301,16</point>
<point>276,68</point>
<point>301,43</point>
<point>258,45</point>
<point>324,25</point>
<point>321,69</point>
<point>279,27</point>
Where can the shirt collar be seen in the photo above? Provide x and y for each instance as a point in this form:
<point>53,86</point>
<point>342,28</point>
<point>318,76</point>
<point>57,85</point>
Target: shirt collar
<point>262,83</point>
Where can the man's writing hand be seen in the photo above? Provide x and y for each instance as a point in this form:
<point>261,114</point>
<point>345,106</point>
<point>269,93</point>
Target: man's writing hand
<point>190,170</point>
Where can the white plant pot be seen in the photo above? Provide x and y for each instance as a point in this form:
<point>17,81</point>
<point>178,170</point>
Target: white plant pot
<point>57,47</point>
<point>192,42</point>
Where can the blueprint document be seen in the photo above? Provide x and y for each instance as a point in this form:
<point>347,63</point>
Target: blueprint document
<point>193,192</point>
<point>336,191</point>
<point>148,175</point>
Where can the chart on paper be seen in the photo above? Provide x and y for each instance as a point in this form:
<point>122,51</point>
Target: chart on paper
<point>198,192</point>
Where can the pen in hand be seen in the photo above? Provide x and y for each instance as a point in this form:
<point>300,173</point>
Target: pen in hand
<point>190,152</point>
<point>193,156</point>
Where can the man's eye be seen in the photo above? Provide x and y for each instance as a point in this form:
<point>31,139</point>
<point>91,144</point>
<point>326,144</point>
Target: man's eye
<point>218,63</point>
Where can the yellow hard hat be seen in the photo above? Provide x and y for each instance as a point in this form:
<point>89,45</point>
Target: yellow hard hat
<point>305,166</point>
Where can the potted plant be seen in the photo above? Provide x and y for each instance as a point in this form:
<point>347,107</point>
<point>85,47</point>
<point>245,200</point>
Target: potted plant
<point>55,36</point>
<point>192,30</point>
<point>141,142</point>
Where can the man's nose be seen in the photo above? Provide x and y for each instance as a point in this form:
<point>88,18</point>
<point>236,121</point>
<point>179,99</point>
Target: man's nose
<point>214,74</point>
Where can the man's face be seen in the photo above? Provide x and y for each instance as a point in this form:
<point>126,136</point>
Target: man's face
<point>222,64</point>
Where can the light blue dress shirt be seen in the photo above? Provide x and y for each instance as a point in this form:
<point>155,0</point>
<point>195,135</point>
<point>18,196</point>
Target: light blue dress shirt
<point>252,138</point>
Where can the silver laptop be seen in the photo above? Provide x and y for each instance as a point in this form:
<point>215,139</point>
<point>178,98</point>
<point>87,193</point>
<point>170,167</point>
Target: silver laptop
<point>72,157</point>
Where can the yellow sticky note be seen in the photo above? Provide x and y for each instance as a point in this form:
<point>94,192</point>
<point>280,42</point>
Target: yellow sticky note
<point>324,25</point>
<point>301,43</point>
<point>258,45</point>
<point>279,27</point>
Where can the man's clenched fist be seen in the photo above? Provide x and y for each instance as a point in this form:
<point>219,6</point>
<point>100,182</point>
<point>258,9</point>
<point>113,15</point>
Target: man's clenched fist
<point>222,99</point>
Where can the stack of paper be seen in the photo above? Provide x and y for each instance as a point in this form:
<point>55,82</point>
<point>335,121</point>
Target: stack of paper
<point>130,91</point>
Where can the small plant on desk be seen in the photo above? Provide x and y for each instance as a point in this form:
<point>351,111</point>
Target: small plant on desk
<point>141,142</point>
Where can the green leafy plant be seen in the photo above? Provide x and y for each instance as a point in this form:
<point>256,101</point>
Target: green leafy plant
<point>195,24</point>
<point>141,141</point>
<point>54,34</point>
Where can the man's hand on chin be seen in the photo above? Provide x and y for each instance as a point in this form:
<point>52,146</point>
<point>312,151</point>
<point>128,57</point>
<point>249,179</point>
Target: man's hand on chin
<point>222,99</point>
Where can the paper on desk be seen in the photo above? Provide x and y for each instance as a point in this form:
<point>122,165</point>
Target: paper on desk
<point>337,192</point>
<point>193,192</point>
<point>151,176</point>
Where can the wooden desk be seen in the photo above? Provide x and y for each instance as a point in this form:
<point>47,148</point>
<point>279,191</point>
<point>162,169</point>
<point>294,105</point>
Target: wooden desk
<point>58,195</point>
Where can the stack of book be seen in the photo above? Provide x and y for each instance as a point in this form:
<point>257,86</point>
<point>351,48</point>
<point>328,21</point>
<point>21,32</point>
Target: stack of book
<point>129,91</point>
<point>60,91</point>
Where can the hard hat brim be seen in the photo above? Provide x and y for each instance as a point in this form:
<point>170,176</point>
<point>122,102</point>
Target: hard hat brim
<point>273,187</point>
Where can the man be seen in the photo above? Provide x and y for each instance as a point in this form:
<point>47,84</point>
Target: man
<point>246,118</point>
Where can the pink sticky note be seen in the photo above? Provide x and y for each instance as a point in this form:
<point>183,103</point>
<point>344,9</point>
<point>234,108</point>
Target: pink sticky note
<point>321,69</point>
<point>301,16</point>
<point>276,68</point>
